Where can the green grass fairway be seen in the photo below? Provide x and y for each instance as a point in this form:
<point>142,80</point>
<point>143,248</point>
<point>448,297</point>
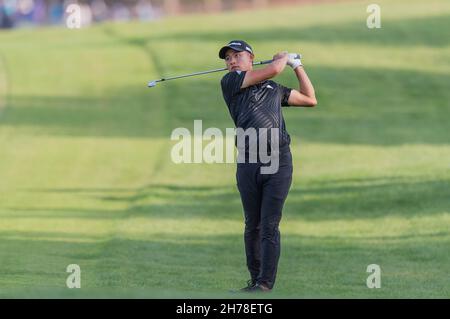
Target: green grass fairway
<point>86,176</point>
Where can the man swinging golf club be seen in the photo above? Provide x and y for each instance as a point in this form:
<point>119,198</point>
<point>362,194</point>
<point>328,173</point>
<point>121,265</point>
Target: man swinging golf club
<point>254,101</point>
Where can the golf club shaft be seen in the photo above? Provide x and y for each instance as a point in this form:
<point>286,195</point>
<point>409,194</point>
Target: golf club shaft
<point>206,72</point>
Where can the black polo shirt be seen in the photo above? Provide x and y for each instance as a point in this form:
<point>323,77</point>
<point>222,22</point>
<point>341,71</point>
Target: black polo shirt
<point>257,106</point>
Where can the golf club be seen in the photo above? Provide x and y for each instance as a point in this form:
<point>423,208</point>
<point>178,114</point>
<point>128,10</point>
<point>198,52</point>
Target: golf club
<point>153,83</point>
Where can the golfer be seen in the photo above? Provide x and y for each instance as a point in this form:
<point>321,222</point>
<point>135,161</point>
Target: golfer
<point>254,101</point>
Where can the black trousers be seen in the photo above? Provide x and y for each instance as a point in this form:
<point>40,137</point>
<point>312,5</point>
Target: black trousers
<point>263,197</point>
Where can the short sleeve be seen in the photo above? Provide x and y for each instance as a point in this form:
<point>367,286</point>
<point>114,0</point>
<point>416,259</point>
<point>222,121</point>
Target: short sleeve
<point>285,93</point>
<point>231,84</point>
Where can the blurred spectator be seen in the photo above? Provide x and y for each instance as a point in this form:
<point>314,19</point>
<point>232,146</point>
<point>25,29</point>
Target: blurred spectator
<point>86,15</point>
<point>55,12</point>
<point>120,12</point>
<point>39,12</point>
<point>99,10</point>
<point>6,14</point>
<point>25,12</point>
<point>145,11</point>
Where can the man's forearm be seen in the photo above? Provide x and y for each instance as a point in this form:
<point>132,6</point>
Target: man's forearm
<point>305,84</point>
<point>279,64</point>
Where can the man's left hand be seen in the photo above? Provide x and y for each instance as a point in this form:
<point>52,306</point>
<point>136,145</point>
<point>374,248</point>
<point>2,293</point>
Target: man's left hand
<point>294,60</point>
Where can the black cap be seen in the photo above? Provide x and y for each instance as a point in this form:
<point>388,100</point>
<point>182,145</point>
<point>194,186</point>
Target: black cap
<point>237,45</point>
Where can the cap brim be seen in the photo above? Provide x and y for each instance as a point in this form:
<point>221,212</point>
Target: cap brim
<point>225,48</point>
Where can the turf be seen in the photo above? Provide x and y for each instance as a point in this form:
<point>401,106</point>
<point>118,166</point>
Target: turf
<point>86,176</point>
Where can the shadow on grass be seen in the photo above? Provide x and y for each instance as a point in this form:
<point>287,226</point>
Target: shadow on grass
<point>189,265</point>
<point>384,107</point>
<point>133,116</point>
<point>329,200</point>
<point>4,84</point>
<point>370,198</point>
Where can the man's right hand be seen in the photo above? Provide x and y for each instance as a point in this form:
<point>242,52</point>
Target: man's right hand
<point>281,55</point>
<point>271,70</point>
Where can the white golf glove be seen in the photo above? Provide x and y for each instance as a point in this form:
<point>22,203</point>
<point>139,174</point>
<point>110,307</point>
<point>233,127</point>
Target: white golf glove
<point>294,60</point>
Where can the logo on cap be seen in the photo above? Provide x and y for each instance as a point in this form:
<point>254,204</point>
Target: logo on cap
<point>237,45</point>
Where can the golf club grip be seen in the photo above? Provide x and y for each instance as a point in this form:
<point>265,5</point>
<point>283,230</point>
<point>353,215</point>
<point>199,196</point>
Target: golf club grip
<point>263,62</point>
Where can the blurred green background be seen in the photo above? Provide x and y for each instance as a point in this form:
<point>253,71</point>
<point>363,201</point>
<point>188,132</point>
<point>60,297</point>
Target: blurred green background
<point>86,176</point>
